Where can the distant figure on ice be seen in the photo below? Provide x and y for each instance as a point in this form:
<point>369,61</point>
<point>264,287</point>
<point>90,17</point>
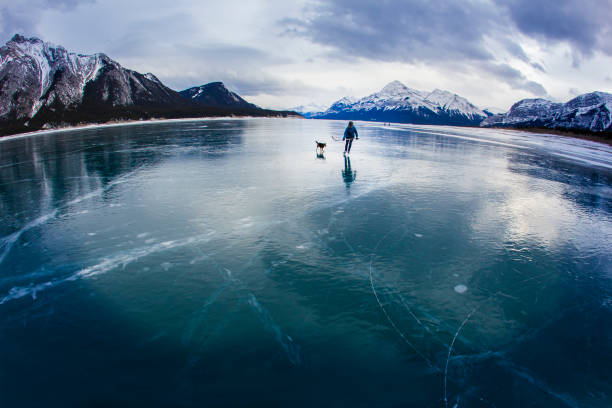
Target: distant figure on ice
<point>349,134</point>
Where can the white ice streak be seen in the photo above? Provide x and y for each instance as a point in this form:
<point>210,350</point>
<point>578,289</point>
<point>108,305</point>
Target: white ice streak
<point>530,378</point>
<point>8,241</point>
<point>106,265</point>
<point>286,342</point>
<point>197,320</point>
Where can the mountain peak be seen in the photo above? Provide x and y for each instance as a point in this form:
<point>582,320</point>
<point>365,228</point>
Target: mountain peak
<point>394,87</point>
<point>451,101</point>
<point>19,38</point>
<point>398,103</point>
<point>442,92</point>
<point>215,94</point>
<point>348,100</point>
<point>591,98</point>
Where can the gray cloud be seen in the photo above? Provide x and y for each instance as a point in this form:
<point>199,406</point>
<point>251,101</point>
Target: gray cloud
<point>191,42</point>
<point>20,18</point>
<point>14,22</point>
<point>584,24</point>
<point>515,78</point>
<point>270,86</point>
<point>518,51</point>
<point>247,84</point>
<point>408,31</point>
<point>441,33</point>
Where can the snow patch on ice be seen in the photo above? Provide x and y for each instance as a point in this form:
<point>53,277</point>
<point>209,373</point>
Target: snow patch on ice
<point>461,288</point>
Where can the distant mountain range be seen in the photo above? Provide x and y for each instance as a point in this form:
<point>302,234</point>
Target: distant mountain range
<point>398,103</point>
<point>42,85</point>
<point>589,112</point>
<point>309,110</point>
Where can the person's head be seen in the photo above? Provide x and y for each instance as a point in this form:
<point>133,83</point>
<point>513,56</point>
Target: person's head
<point>350,124</point>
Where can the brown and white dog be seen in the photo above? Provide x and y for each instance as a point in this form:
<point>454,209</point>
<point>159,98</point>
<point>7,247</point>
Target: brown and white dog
<point>320,146</point>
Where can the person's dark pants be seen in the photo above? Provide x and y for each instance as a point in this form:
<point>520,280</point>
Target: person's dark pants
<point>347,146</point>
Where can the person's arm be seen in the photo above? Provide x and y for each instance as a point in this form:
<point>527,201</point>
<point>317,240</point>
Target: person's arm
<point>356,134</point>
<point>345,132</point>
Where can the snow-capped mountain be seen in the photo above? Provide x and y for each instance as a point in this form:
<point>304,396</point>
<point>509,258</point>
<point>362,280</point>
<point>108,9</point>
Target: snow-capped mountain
<point>398,103</point>
<point>309,110</point>
<point>36,76</point>
<point>43,85</point>
<point>217,95</point>
<point>590,111</point>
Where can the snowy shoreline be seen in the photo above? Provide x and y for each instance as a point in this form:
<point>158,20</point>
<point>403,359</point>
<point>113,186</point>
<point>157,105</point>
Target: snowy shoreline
<point>590,136</point>
<point>127,123</point>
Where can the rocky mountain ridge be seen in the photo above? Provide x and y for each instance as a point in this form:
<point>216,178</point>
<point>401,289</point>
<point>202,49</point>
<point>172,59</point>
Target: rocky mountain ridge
<point>589,112</point>
<point>44,85</point>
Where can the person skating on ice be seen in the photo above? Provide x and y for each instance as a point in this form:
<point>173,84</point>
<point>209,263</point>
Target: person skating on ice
<point>349,134</point>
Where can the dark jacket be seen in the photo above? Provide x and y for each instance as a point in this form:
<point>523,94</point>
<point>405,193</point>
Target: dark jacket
<point>350,133</point>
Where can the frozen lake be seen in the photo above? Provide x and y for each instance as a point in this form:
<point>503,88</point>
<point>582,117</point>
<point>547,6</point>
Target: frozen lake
<point>224,263</point>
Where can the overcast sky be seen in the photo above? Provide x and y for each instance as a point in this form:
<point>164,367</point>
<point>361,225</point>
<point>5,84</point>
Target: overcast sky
<point>283,53</point>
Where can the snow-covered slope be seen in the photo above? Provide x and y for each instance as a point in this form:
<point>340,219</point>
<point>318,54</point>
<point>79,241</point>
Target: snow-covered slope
<point>399,103</point>
<point>217,95</point>
<point>450,102</point>
<point>590,111</point>
<point>29,68</point>
<point>37,76</point>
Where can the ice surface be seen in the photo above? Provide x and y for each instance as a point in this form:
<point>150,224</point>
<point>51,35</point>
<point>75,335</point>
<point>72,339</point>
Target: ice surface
<point>228,263</point>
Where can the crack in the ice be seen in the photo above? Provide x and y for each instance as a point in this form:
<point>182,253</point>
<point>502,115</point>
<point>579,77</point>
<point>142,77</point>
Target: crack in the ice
<point>450,350</point>
<point>397,330</point>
